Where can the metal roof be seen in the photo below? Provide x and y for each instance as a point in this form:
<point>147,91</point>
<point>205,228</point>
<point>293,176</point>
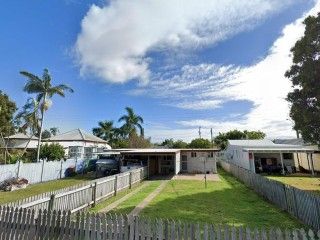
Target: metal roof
<point>76,135</point>
<point>252,143</point>
<point>22,136</point>
<point>292,141</point>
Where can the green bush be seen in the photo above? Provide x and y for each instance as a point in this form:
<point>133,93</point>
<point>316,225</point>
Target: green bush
<point>200,143</point>
<point>52,152</point>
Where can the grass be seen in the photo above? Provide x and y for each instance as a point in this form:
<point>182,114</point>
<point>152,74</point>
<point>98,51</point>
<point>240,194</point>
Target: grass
<point>39,188</point>
<point>307,183</point>
<point>119,195</point>
<point>225,202</point>
<point>128,205</point>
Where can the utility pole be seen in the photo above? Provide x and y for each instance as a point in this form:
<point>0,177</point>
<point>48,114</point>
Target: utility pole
<point>199,132</point>
<point>211,138</point>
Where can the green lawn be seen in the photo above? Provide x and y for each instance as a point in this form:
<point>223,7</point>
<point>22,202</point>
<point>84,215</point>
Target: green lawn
<point>225,202</point>
<point>110,200</point>
<point>307,183</point>
<point>127,206</point>
<point>39,188</point>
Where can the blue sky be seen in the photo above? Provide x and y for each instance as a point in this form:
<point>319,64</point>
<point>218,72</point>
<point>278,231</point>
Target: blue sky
<point>181,66</point>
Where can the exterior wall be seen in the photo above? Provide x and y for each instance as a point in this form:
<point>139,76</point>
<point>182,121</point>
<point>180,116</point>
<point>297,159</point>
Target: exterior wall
<point>177,163</point>
<point>237,156</point>
<point>81,152</point>
<point>196,164</point>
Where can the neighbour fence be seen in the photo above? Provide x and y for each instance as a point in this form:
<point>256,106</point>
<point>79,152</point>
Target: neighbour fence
<point>37,172</point>
<point>303,205</point>
<point>84,195</point>
<point>29,224</point>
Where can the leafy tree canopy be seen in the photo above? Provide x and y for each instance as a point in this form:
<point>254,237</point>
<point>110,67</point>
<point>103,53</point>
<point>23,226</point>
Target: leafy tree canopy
<point>222,139</point>
<point>170,143</point>
<point>200,143</point>
<point>7,110</point>
<point>305,77</point>
<point>52,152</point>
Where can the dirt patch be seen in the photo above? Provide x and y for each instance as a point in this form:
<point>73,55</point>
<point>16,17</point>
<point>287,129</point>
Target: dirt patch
<point>199,177</point>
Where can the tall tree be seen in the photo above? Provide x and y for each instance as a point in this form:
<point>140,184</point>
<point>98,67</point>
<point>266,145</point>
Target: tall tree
<point>305,77</point>
<point>200,143</point>
<point>29,120</point>
<point>54,131</point>
<point>7,110</point>
<point>7,125</point>
<point>105,130</point>
<point>42,87</point>
<point>132,122</point>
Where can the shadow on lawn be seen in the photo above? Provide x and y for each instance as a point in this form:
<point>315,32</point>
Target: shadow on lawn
<point>233,204</point>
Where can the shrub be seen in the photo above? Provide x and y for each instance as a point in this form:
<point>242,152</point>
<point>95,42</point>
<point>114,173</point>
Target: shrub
<point>52,152</point>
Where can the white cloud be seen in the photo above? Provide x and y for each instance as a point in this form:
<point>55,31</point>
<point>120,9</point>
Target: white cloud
<point>115,39</point>
<point>263,84</point>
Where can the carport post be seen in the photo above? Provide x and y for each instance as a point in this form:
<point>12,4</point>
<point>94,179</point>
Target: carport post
<point>282,165</point>
<point>148,166</point>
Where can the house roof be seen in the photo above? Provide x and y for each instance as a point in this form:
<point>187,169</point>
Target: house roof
<point>265,145</point>
<point>292,141</point>
<point>76,135</point>
<point>22,136</point>
<point>252,143</point>
<point>158,150</point>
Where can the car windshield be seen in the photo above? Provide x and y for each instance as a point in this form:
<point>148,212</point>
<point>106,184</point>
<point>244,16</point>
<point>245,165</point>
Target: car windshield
<point>107,161</point>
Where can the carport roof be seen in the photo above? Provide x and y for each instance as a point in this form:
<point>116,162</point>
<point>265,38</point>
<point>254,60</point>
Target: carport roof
<point>149,150</point>
<point>280,149</point>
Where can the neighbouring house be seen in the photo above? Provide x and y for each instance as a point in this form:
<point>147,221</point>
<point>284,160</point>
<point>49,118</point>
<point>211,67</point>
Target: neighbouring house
<point>266,156</point>
<point>170,161</point>
<point>21,141</point>
<point>303,159</point>
<point>79,144</point>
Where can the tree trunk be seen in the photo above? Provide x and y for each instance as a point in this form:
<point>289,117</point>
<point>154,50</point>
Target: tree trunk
<point>41,125</point>
<point>25,148</point>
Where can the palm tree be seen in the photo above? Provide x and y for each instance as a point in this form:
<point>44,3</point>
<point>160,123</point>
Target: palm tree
<point>131,121</point>
<point>54,131</point>
<point>105,130</point>
<point>44,90</point>
<point>29,117</point>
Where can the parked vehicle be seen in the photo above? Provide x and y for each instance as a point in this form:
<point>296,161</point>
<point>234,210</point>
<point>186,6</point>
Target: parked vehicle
<point>89,165</point>
<point>106,166</point>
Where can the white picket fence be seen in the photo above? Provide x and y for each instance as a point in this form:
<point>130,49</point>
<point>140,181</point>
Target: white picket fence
<point>84,195</point>
<point>301,204</point>
<point>37,172</point>
<point>28,224</point>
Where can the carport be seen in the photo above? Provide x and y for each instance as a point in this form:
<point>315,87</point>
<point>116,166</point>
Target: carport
<point>259,158</point>
<point>158,161</point>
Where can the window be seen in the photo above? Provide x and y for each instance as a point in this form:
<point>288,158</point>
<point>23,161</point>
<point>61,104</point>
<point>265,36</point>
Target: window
<point>193,154</point>
<point>287,156</point>
<point>210,154</point>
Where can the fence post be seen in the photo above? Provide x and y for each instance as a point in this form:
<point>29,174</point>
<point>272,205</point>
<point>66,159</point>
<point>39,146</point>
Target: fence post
<point>61,162</point>
<point>115,185</point>
<point>130,180</point>
<point>94,193</point>
<point>141,174</point>
<point>51,202</point>
<point>42,169</point>
<point>18,171</point>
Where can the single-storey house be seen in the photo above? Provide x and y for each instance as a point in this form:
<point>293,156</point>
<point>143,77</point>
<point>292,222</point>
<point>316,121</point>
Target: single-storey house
<point>170,161</point>
<point>265,156</point>
<point>21,141</point>
<point>79,144</point>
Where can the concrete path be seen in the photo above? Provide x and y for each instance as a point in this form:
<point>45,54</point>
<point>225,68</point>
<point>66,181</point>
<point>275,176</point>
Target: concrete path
<point>124,198</point>
<point>148,199</point>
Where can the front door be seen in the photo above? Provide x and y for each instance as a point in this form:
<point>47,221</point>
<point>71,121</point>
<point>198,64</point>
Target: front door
<point>184,163</point>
